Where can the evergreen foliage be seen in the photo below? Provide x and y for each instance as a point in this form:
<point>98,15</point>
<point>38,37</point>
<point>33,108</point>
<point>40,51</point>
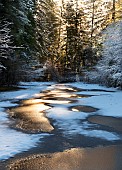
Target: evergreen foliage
<point>65,41</point>
<point>19,39</point>
<point>73,39</point>
<point>46,29</point>
<point>109,68</point>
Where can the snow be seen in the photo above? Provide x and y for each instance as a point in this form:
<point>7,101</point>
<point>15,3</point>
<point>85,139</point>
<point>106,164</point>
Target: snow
<point>70,123</point>
<point>7,104</point>
<point>109,103</point>
<point>28,91</point>
<point>107,100</point>
<point>64,114</point>
<point>109,68</point>
<point>87,86</point>
<point>12,141</point>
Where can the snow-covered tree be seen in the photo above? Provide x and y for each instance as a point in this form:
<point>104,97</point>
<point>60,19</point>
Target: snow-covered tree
<point>5,41</point>
<point>96,16</point>
<point>18,43</point>
<point>109,68</point>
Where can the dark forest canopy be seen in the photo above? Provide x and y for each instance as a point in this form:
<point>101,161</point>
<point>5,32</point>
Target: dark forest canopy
<point>64,39</point>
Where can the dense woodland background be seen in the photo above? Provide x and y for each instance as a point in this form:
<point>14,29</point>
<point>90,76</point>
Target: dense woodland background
<point>76,40</point>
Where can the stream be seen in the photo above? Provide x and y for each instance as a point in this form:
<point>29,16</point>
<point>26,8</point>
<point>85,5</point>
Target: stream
<point>61,127</point>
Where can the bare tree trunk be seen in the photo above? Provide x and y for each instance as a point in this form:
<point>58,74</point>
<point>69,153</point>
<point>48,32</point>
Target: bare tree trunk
<point>113,11</point>
<point>92,21</point>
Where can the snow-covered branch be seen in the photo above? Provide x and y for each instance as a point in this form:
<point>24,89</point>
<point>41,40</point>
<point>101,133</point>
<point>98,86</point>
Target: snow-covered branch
<point>5,41</point>
<point>109,68</point>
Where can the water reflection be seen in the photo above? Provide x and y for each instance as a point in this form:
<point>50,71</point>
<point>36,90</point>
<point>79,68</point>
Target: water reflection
<point>61,111</point>
<point>100,158</point>
<point>65,88</point>
<point>48,100</point>
<point>56,93</point>
<point>31,117</point>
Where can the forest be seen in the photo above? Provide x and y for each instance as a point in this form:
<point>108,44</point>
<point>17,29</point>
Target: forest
<point>60,84</point>
<point>75,40</point>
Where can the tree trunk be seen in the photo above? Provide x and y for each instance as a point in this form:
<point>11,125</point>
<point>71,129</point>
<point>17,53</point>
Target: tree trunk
<point>113,11</point>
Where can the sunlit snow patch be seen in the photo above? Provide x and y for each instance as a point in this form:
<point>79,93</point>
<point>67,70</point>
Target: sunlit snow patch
<point>72,124</point>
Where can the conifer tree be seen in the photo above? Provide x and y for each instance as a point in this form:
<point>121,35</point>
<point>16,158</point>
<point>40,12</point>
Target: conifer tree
<point>46,29</point>
<point>97,15</point>
<point>18,15</point>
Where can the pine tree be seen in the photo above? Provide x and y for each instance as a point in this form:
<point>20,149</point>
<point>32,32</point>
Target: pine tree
<point>19,17</point>
<point>46,29</point>
<point>5,41</point>
<point>97,15</point>
<point>73,41</point>
<point>109,68</point>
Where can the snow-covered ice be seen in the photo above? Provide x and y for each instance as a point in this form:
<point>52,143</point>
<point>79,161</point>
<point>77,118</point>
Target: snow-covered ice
<point>109,103</point>
<point>12,141</point>
<point>107,100</point>
<point>69,122</point>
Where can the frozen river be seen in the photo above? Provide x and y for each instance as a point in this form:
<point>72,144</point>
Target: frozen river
<point>55,117</point>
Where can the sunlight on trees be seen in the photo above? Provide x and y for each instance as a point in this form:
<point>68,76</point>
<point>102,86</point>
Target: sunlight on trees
<point>65,36</point>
